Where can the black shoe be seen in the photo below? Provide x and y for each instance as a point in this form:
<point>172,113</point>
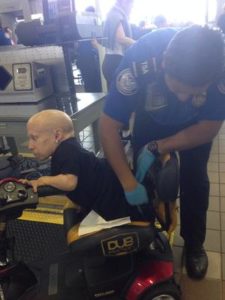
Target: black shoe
<point>196,262</point>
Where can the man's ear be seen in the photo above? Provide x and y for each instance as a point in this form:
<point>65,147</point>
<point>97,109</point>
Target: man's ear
<point>58,135</point>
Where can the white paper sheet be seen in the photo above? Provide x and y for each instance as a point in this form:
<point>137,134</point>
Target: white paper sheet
<point>93,222</point>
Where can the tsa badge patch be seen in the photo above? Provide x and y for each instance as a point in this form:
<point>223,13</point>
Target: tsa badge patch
<point>199,100</point>
<point>125,83</point>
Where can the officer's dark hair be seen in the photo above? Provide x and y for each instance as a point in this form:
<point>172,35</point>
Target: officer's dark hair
<point>195,55</point>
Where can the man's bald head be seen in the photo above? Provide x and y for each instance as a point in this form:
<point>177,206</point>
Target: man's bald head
<point>52,119</point>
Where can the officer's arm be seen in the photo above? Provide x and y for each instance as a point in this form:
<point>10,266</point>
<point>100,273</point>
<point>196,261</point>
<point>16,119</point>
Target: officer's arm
<point>191,137</point>
<point>113,149</point>
<point>122,38</point>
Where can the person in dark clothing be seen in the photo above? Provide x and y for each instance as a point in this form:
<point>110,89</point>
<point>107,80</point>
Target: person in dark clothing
<point>118,37</point>
<point>88,63</point>
<point>89,66</point>
<point>221,21</point>
<point>139,31</point>
<point>9,34</point>
<point>87,180</point>
<point>160,21</point>
<point>174,83</point>
<point>4,39</point>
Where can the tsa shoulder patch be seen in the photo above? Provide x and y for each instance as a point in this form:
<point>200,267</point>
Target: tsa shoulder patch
<point>126,83</point>
<point>147,67</point>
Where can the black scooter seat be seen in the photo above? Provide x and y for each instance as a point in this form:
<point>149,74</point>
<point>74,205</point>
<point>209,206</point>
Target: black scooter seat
<point>116,241</point>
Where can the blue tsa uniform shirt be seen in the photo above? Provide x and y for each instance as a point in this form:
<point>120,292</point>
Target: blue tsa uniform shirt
<point>139,87</point>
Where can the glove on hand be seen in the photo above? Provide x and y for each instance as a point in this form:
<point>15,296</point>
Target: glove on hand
<point>144,161</point>
<point>138,196</point>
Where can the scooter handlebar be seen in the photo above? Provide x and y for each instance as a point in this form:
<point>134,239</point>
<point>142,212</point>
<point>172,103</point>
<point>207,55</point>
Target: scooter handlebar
<point>44,191</point>
<point>16,196</point>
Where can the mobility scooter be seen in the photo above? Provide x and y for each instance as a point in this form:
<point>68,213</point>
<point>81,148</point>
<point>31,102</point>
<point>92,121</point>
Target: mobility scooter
<point>129,262</point>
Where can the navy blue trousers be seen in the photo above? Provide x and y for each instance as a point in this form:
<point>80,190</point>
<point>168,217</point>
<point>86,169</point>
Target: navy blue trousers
<point>194,182</point>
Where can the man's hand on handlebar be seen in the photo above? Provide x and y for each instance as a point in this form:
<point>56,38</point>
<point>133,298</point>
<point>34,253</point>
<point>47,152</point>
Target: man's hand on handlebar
<point>63,182</point>
<point>34,183</point>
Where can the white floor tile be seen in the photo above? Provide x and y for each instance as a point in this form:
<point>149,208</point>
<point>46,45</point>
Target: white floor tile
<point>223,241</point>
<point>213,167</point>
<point>214,158</point>
<point>213,241</point>
<point>221,158</point>
<point>214,189</point>
<point>214,203</point>
<point>222,190</point>
<point>214,177</point>
<point>214,269</point>
<point>222,221</point>
<point>213,220</point>
<point>223,266</point>
<point>222,204</point>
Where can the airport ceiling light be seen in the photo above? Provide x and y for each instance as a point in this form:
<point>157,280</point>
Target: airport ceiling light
<point>5,78</point>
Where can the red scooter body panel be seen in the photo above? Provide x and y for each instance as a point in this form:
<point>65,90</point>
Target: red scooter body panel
<point>149,274</point>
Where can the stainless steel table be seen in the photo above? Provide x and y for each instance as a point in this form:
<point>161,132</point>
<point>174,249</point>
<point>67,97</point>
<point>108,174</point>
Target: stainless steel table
<point>13,117</point>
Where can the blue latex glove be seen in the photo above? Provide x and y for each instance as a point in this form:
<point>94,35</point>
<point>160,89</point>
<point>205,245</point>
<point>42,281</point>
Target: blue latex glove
<point>144,161</point>
<point>138,196</point>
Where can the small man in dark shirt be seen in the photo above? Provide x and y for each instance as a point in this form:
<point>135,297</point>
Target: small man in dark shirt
<point>88,181</point>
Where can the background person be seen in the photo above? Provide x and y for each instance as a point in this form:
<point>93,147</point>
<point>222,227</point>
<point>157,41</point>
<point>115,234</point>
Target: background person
<point>221,20</point>
<point>160,21</point>
<point>140,30</point>
<point>173,82</point>
<point>5,40</point>
<point>88,63</point>
<point>117,32</point>
<point>9,35</point>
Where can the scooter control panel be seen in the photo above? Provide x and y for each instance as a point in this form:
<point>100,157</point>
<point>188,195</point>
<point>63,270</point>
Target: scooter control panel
<point>9,186</point>
<point>15,197</point>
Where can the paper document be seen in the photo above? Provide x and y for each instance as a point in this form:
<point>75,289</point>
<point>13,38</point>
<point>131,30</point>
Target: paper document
<point>93,222</point>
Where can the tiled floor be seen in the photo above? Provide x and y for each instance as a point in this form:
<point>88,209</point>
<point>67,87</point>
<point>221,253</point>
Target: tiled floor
<point>213,286</point>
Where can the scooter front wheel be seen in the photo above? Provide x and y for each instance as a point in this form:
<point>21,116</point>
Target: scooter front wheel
<point>163,291</point>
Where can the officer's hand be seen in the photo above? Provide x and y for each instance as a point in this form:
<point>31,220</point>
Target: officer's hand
<point>144,161</point>
<point>169,221</point>
<point>173,217</point>
<point>138,196</point>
